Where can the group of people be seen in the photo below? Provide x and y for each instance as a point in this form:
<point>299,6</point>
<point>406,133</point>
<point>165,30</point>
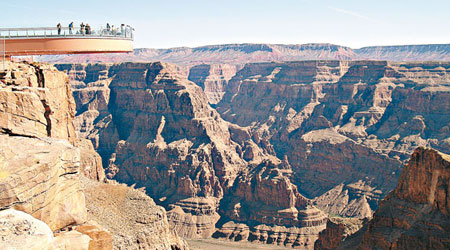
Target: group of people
<point>84,29</point>
<point>124,30</point>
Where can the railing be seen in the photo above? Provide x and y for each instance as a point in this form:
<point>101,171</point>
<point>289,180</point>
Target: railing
<point>122,32</point>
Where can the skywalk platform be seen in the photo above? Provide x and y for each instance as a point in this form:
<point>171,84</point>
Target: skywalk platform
<point>50,41</point>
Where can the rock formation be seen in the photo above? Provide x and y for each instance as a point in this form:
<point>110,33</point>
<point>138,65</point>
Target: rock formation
<point>337,230</point>
<point>41,178</point>
<point>41,161</point>
<point>341,122</point>
<point>20,230</point>
<point>416,215</point>
<point>90,161</point>
<point>270,209</point>
<point>39,165</point>
<point>356,200</point>
<point>236,54</point>
<point>155,128</point>
<point>160,133</point>
<point>212,79</point>
<point>342,129</point>
<point>134,220</point>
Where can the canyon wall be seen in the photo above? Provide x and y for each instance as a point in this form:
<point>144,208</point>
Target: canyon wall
<point>282,133</point>
<point>155,129</point>
<point>40,166</point>
<point>213,79</point>
<point>41,163</point>
<point>341,122</point>
<point>416,215</point>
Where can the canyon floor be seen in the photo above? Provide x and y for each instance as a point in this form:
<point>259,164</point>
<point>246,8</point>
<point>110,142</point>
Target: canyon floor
<point>216,244</point>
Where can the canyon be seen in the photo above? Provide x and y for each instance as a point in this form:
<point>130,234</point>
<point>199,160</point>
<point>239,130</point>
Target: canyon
<point>43,204</point>
<point>262,152</point>
<point>155,129</point>
<point>300,154</point>
<point>339,122</point>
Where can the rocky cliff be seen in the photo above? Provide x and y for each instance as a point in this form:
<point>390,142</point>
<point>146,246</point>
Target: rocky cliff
<point>264,206</point>
<point>238,54</point>
<point>416,214</point>
<point>40,167</point>
<point>41,162</point>
<point>341,122</point>
<point>337,230</point>
<point>336,129</point>
<point>155,128</point>
<point>356,200</point>
<point>213,79</point>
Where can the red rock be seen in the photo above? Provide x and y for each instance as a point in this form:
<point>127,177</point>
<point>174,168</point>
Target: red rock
<point>416,214</point>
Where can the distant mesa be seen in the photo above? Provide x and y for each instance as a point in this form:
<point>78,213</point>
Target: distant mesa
<point>239,54</point>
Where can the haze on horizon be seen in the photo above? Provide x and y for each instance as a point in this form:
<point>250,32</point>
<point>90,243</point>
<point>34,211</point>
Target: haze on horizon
<point>176,23</point>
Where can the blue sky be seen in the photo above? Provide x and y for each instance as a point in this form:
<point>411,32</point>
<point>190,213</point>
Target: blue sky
<point>173,23</point>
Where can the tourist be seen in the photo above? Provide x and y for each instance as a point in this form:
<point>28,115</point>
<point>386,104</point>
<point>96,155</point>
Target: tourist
<point>108,28</point>
<point>88,29</point>
<point>122,29</point>
<point>59,28</point>
<point>82,28</point>
<point>70,27</point>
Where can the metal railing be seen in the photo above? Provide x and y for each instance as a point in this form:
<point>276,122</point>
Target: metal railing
<point>122,32</point>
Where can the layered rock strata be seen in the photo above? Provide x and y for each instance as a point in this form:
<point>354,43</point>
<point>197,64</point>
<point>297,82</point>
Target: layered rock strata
<point>40,167</point>
<point>43,103</point>
<point>160,133</point>
<point>416,215</point>
<point>337,230</point>
<point>170,141</point>
<point>41,162</point>
<point>212,79</point>
<point>41,178</point>
<point>341,122</point>
<point>237,54</point>
<point>352,200</point>
<point>264,206</point>
<point>340,126</point>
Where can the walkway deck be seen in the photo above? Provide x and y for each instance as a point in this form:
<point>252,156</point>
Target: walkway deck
<point>50,41</point>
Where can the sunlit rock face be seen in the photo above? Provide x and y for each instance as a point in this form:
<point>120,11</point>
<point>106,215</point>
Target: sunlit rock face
<point>264,206</point>
<point>169,140</point>
<point>340,122</point>
<point>39,164</point>
<point>416,215</point>
<point>335,129</point>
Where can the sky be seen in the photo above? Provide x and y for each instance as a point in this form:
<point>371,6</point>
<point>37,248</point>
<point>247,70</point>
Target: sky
<point>192,23</point>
